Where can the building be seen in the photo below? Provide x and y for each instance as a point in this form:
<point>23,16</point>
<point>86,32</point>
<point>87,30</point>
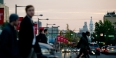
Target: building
<point>52,33</point>
<point>6,12</point>
<point>85,28</point>
<point>91,26</point>
<point>111,16</point>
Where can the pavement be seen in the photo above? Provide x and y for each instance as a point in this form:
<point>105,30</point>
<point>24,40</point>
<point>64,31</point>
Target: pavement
<point>73,55</point>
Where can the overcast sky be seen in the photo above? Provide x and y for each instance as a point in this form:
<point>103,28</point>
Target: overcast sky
<point>62,12</point>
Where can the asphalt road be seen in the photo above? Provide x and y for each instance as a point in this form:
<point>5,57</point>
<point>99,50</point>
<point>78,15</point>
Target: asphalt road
<point>73,55</point>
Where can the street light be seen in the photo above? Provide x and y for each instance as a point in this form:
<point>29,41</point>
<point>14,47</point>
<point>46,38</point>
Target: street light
<point>49,24</point>
<point>16,8</point>
<point>38,22</point>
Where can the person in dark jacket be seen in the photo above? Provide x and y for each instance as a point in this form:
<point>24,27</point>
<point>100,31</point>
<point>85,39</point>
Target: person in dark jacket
<point>26,34</point>
<point>41,37</point>
<point>9,44</point>
<point>83,45</point>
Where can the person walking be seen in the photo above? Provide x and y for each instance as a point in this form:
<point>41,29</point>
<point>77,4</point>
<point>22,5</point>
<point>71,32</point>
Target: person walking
<point>41,37</point>
<point>26,34</point>
<point>83,45</point>
<point>8,43</point>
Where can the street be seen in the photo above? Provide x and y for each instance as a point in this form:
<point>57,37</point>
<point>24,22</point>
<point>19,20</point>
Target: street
<point>73,55</point>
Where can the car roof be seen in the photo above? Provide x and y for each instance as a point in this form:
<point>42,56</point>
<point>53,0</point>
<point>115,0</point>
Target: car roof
<point>43,45</point>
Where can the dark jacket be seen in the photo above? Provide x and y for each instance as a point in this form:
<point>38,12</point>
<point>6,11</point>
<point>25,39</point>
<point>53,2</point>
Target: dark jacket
<point>41,38</point>
<point>26,35</point>
<point>83,43</point>
<point>9,43</point>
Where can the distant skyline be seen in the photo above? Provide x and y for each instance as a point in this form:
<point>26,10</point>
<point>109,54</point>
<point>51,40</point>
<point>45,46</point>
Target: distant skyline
<point>62,12</point>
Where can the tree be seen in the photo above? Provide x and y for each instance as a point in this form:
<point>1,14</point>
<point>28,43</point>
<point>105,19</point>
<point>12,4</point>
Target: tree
<point>104,27</point>
<point>4,24</point>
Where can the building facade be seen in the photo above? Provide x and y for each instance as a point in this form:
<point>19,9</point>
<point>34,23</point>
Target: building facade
<point>6,12</point>
<point>111,16</point>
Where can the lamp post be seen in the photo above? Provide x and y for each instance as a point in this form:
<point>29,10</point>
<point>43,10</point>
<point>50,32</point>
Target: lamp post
<point>38,23</point>
<point>16,8</point>
<point>49,24</point>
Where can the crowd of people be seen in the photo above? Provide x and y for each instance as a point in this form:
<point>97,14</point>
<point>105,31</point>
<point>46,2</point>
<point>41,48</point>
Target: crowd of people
<point>27,46</point>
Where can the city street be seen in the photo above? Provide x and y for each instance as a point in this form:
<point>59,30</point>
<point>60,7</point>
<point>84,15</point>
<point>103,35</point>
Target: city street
<point>73,55</point>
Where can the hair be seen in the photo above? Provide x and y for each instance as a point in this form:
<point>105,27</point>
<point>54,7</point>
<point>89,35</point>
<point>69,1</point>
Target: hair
<point>83,34</point>
<point>87,32</point>
<point>27,7</point>
<point>45,30</point>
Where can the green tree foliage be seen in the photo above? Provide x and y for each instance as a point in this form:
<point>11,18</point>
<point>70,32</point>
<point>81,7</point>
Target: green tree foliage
<point>104,27</point>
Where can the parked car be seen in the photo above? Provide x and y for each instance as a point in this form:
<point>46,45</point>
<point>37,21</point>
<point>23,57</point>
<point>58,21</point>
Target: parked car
<point>110,50</point>
<point>94,48</point>
<point>48,50</point>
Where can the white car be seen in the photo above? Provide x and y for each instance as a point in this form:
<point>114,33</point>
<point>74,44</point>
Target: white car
<point>110,50</point>
<point>47,50</point>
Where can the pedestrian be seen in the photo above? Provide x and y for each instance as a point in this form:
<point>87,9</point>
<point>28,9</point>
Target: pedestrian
<point>8,43</point>
<point>83,45</point>
<point>41,37</point>
<point>46,31</point>
<point>88,36</point>
<point>26,34</point>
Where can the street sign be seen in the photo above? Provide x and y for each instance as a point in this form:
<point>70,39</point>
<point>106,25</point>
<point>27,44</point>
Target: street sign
<point>110,35</point>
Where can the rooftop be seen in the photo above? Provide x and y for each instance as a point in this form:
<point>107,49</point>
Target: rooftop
<point>110,14</point>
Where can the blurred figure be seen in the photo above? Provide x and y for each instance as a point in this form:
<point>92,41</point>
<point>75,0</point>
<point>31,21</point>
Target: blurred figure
<point>41,37</point>
<point>8,43</point>
<point>83,45</point>
<point>88,36</point>
<point>45,31</point>
<point>26,34</point>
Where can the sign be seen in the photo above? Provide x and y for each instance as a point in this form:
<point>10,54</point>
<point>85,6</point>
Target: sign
<point>19,21</point>
<point>58,38</point>
<point>35,27</point>
<point>1,16</point>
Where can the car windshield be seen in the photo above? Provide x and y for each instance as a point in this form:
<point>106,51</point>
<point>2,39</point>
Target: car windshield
<point>94,45</point>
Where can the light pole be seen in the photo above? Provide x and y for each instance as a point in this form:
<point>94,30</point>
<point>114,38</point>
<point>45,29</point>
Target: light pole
<point>49,24</point>
<point>16,8</point>
<point>38,23</point>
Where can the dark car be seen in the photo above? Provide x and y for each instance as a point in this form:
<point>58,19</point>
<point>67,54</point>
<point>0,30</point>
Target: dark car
<point>94,49</point>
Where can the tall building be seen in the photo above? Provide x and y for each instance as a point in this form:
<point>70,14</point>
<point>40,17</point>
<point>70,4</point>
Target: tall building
<point>91,26</point>
<point>85,28</point>
<point>111,16</point>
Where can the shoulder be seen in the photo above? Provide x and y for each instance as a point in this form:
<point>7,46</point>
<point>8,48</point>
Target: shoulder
<point>6,29</point>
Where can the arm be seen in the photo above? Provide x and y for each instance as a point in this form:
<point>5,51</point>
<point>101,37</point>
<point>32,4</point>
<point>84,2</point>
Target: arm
<point>4,38</point>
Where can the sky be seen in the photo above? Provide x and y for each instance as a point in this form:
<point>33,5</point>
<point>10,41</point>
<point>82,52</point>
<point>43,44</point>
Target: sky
<point>62,12</point>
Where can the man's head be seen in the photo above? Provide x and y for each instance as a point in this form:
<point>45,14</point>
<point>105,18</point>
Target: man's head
<point>13,19</point>
<point>41,30</point>
<point>29,10</point>
<point>88,33</point>
<point>45,31</point>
